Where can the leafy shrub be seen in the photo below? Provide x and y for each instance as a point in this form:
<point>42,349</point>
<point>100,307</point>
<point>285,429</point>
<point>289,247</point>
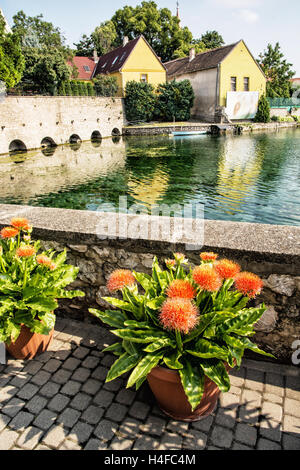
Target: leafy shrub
<point>62,90</point>
<point>90,89</point>
<point>140,101</point>
<point>275,118</point>
<point>105,85</point>
<point>68,89</point>
<point>263,111</point>
<point>175,101</point>
<point>74,86</point>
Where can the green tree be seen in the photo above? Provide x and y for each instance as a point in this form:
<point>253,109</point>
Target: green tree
<point>212,40</point>
<point>12,61</point>
<point>68,88</point>
<point>74,85</point>
<point>263,112</point>
<point>85,47</point>
<point>140,101</point>
<point>62,89</point>
<point>175,100</point>
<point>104,37</point>
<point>105,85</point>
<point>90,89</point>
<point>278,72</point>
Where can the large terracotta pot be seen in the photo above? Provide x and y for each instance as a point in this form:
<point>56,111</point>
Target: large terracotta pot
<point>28,344</point>
<point>169,393</point>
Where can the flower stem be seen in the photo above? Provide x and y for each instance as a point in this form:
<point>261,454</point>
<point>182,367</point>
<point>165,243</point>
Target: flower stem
<point>179,340</point>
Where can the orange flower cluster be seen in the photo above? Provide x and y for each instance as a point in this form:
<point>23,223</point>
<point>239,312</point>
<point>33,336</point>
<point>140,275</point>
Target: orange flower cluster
<point>181,288</point>
<point>207,278</point>
<point>208,256</point>
<point>248,284</point>
<point>25,251</point>
<point>20,224</point>
<point>46,261</point>
<point>227,269</point>
<point>179,314</point>
<point>170,263</point>
<point>119,279</point>
<point>9,232</point>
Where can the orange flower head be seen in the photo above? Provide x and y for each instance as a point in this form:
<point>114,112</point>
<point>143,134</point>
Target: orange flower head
<point>25,251</point>
<point>20,224</point>
<point>119,279</point>
<point>45,261</point>
<point>181,288</point>
<point>170,263</point>
<point>227,269</point>
<point>52,266</point>
<point>207,278</point>
<point>208,256</point>
<point>179,314</point>
<point>248,284</point>
<point>9,232</point>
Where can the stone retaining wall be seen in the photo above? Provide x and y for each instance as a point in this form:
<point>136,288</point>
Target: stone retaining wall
<point>273,252</point>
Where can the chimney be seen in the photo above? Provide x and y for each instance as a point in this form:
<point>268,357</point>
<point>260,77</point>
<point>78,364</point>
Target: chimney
<point>192,54</point>
<point>125,40</point>
<point>96,58</point>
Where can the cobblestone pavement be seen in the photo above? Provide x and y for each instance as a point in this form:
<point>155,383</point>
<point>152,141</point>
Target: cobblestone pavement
<point>60,401</point>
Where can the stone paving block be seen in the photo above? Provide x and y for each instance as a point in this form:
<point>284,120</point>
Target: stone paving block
<point>229,400</point>
<point>108,360</point>
<point>221,437</point>
<point>246,434</point>
<point>272,411</point>
<point>52,365</point>
<point>81,352</point>
<point>171,441</point>
<point>106,430</point>
<point>45,356</point>
<point>180,427</point>
<point>291,424</point>
<point>264,444</point>
<point>55,436</point>
<point>104,398</point>
<point>70,445</point>
<point>236,381</point>
<point>116,412</point>
<point>293,388</point>
<point>121,444</point>
<point>113,386</point>
<point>63,354</point>
<point>49,389</point>
<point>249,414</point>
<point>129,428</point>
<point>8,439</point>
<point>13,407</point>
<point>30,438</point>
<point>290,442</point>
<point>61,376</point>
<point>28,391</point>
<point>71,388</point>
<point>125,397</point>
<point>251,398</point>
<point>95,444</point>
<point>32,367</point>
<point>91,386</point>
<point>81,374</point>
<point>146,443</point>
<point>36,404</point>
<point>69,417</point>
<point>139,410</point>
<point>6,393</point>
<point>291,407</point>
<point>239,446</point>
<point>270,397</point>
<point>100,373</point>
<point>81,401</point>
<point>41,378</point>
<point>58,403</point>
<point>226,417</point>
<point>90,362</point>
<point>81,432</point>
<point>71,363</point>
<point>196,440</point>
<point>254,380</point>
<point>274,384</point>
<point>154,426</point>
<point>42,447</point>
<point>271,430</point>
<point>20,380</point>
<point>45,419</point>
<point>92,414</point>
<point>4,420</point>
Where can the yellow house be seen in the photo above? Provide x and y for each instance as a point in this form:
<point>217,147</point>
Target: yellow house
<point>227,79</point>
<point>135,60</point>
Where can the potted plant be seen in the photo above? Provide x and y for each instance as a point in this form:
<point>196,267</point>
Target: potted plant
<point>30,284</point>
<point>184,331</point>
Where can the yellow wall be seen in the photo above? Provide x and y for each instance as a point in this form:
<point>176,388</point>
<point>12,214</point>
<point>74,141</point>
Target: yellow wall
<point>143,61</point>
<point>118,76</point>
<point>239,63</point>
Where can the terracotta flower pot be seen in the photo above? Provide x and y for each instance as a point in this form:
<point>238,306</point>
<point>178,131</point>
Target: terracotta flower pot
<point>29,344</point>
<point>169,393</point>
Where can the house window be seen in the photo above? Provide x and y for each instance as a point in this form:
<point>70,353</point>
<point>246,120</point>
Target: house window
<point>86,68</point>
<point>246,83</point>
<point>144,78</point>
<point>233,83</point>
<point>115,60</point>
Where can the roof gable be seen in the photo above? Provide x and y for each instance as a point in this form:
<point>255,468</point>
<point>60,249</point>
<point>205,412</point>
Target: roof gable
<point>85,66</point>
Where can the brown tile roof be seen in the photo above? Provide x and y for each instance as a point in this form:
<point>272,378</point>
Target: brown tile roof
<point>113,61</point>
<point>85,66</point>
<point>202,61</point>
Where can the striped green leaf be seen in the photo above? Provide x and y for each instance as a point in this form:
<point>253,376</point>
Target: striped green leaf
<point>122,365</point>
<point>205,321</point>
<point>215,370</point>
<point>139,336</point>
<point>113,318</point>
<point>143,368</point>
<point>207,350</point>
<point>192,379</point>
<point>172,361</point>
<point>116,349</point>
<point>159,344</point>
<point>119,303</point>
<point>253,347</point>
<point>244,322</point>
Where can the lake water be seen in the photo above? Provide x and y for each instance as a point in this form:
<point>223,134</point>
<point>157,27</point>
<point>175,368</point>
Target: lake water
<point>248,178</point>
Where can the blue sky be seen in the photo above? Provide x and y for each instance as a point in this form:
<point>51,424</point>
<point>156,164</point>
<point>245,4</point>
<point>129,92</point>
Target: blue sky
<point>256,21</point>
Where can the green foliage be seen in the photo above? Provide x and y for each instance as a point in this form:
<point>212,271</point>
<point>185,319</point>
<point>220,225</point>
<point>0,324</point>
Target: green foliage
<point>105,85</point>
<point>68,88</point>
<point>90,89</point>
<point>62,89</point>
<point>85,47</point>
<point>30,288</point>
<point>212,40</point>
<point>219,338</point>
<point>12,62</point>
<point>74,86</point>
<point>140,101</point>
<point>104,37</point>
<point>263,111</point>
<point>278,72</point>
<point>175,100</point>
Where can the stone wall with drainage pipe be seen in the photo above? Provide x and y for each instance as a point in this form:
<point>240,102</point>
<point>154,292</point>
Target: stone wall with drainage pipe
<point>30,122</point>
<point>271,251</point>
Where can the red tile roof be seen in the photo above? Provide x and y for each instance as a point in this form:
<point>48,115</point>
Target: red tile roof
<point>81,63</point>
